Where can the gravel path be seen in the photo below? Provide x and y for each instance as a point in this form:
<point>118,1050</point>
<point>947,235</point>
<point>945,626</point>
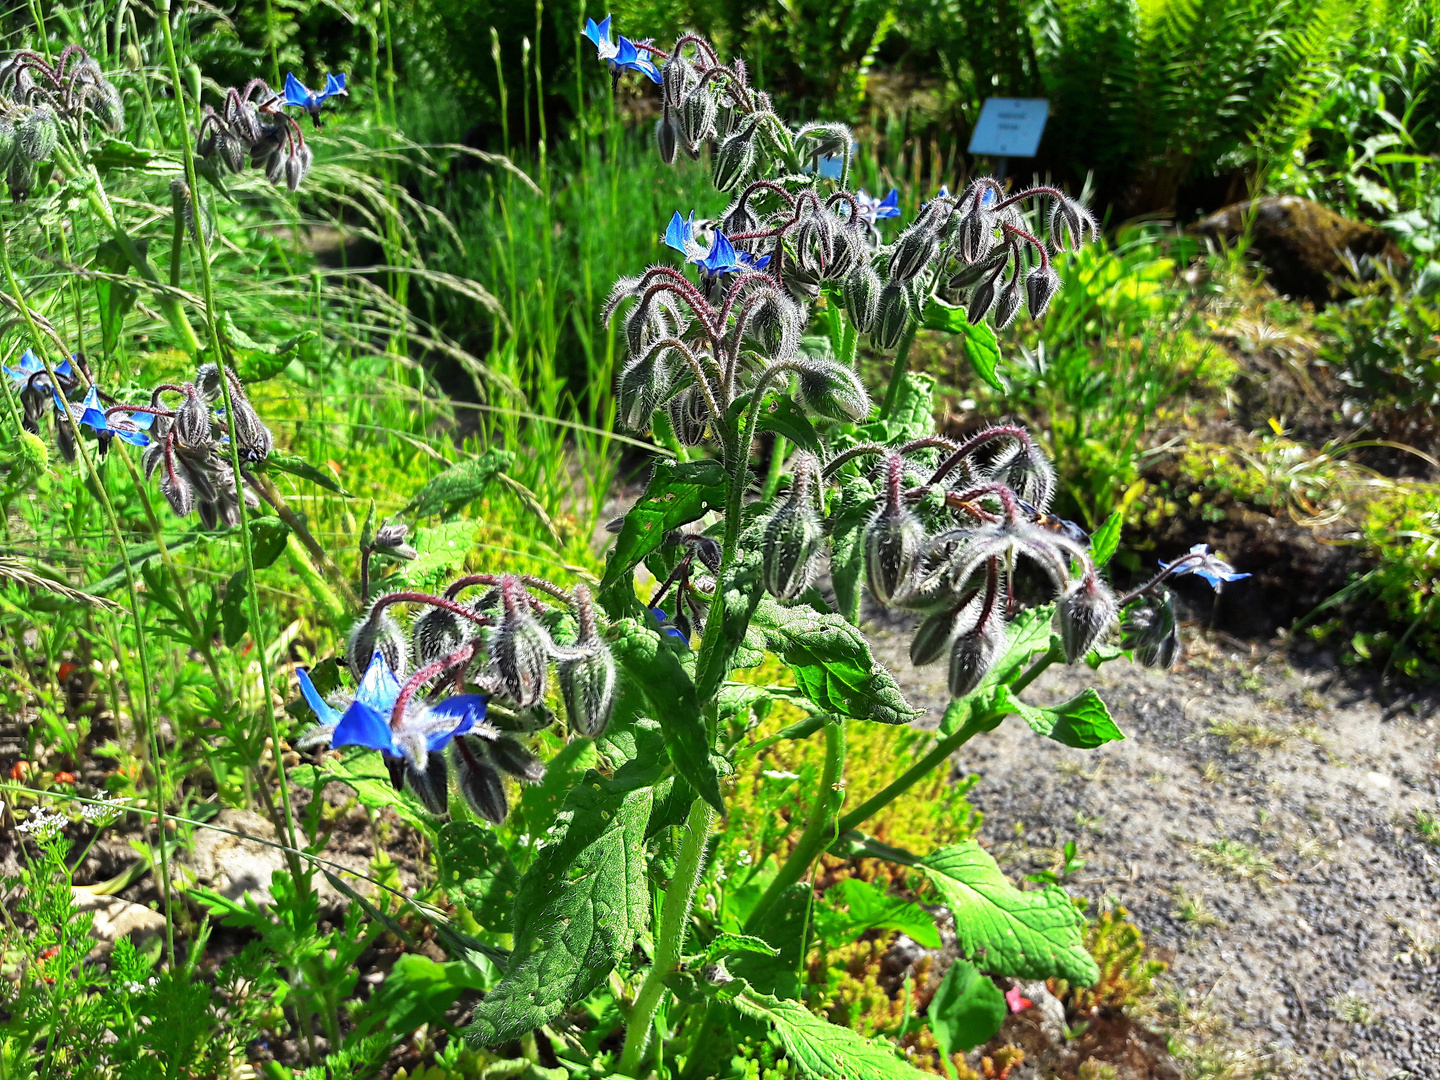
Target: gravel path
<point>1260,824</point>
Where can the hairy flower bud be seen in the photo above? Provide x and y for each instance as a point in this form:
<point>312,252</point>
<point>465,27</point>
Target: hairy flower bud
<point>192,420</point>
<point>7,140</point>
<point>1150,629</point>
<point>975,235</point>
<point>735,156</point>
<point>981,300</point>
<point>1041,285</point>
<point>177,489</point>
<point>893,541</point>
<point>1068,224</point>
<point>932,637</point>
<point>588,688</point>
<point>829,388</point>
<point>437,633</point>
<point>521,653</point>
<point>862,295</point>
<point>297,166</point>
<point>893,317</point>
<point>973,655</point>
<point>793,538</point>
<point>479,780</point>
<point>376,632</point>
<point>1083,615</point>
<point>665,136</point>
<point>1026,471</point>
<point>913,250</point>
<point>20,177</point>
<point>1008,304</point>
<point>689,416</point>
<point>37,134</point>
<point>696,118</point>
<point>430,784</point>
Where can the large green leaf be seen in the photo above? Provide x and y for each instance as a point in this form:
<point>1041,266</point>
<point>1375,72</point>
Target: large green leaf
<point>440,552</point>
<point>967,1009</point>
<point>298,466</point>
<point>254,360</point>
<point>912,416</point>
<point>1082,722</point>
<point>234,616</point>
<point>832,663</point>
<point>476,870</point>
<point>818,1048</point>
<point>651,665</point>
<point>981,347</point>
<point>578,910</point>
<point>1106,538</point>
<point>459,485</point>
<point>418,991</point>
<point>678,493</point>
<point>1026,935</point>
<point>870,907</point>
<point>782,417</point>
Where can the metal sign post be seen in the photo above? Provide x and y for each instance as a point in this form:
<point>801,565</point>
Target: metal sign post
<point>1009,127</point>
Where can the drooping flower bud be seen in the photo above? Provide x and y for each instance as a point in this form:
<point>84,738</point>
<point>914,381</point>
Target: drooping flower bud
<point>665,136</point>
<point>176,488</point>
<point>7,139</point>
<point>893,538</point>
<point>1083,615</point>
<point>829,388</point>
<point>689,416</point>
<point>587,682</point>
<point>1150,629</point>
<point>430,784</point>
<point>1068,224</point>
<point>479,780</point>
<point>735,156</point>
<point>892,318</point>
<point>1041,285</point>
<point>521,649</point>
<point>913,250</point>
<point>192,420</point>
<point>37,134</point>
<point>297,166</point>
<point>437,633</point>
<point>975,235</point>
<point>862,295</point>
<point>971,274</point>
<point>376,632</point>
<point>974,653</point>
<point>981,300</point>
<point>793,537</point>
<point>1026,471</point>
<point>21,177</point>
<point>932,637</point>
<point>1008,304</point>
<point>511,757</point>
<point>696,118</point>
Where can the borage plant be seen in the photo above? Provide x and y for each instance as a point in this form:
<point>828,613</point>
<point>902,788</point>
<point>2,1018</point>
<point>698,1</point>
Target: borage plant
<point>757,349</point>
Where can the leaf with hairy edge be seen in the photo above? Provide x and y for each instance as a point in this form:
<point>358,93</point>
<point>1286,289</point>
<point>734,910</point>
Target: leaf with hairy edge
<point>459,485</point>
<point>476,871</point>
<point>912,417</point>
<point>981,347</point>
<point>818,1048</point>
<point>967,1009</point>
<point>578,910</point>
<point>1082,722</point>
<point>1106,539</point>
<point>678,493</point>
<point>298,466</point>
<point>649,663</point>
<point>1026,935</point>
<point>832,663</point>
<point>256,361</point>
<point>847,544</point>
<point>782,417</point>
<point>729,942</point>
<point>870,907</point>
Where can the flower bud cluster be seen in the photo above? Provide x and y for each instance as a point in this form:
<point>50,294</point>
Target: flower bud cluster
<point>471,675</point>
<point>252,129</point>
<point>36,96</point>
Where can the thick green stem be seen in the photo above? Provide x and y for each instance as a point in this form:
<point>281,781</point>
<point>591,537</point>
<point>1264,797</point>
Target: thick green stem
<point>674,921</point>
<point>897,373</point>
<point>937,756</point>
<point>819,830</point>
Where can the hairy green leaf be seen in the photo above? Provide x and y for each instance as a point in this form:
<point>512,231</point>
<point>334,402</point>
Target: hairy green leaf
<point>728,942</point>
<point>267,539</point>
<point>1026,935</point>
<point>649,663</point>
<point>832,663</point>
<point>419,991</point>
<point>678,493</point>
<point>116,297</point>
<point>476,870</point>
<point>782,417</point>
<point>298,466</point>
<point>116,153</point>
<point>870,907</point>
<point>459,485</point>
<point>967,1009</point>
<point>233,616</point>
<point>1082,722</point>
<point>1106,539</point>
<point>578,910</point>
<point>981,348</point>
<point>912,417</point>
<point>364,772</point>
<point>254,360</point>
<point>818,1048</point>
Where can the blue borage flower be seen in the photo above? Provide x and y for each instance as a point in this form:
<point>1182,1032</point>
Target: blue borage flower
<point>719,258</point>
<point>873,209</point>
<point>667,627</point>
<point>1198,561</point>
<point>132,427</point>
<point>622,54</point>
<point>298,95</point>
<point>29,364</point>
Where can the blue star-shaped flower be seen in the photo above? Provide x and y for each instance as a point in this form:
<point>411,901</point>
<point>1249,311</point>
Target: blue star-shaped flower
<point>872,209</point>
<point>366,721</point>
<point>29,364</point>
<point>1198,561</point>
<point>668,628</point>
<point>131,427</point>
<point>721,256</point>
<point>622,54</point>
<point>299,96</point>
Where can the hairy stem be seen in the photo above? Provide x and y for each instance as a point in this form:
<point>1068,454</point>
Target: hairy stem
<point>897,373</point>
<point>819,830</point>
<point>674,920</point>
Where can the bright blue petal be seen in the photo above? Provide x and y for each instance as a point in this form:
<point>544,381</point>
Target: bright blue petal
<point>27,365</point>
<point>323,712</point>
<point>62,368</point>
<point>625,54</point>
<point>721,259</point>
<point>295,92</point>
<point>592,32</point>
<point>363,726</point>
<point>889,206</point>
<point>379,688</point>
<point>60,402</point>
<point>142,420</point>
<point>134,438</point>
<point>334,85</point>
<point>91,413</point>
<point>468,709</point>
<point>678,233</point>
<point>604,28</point>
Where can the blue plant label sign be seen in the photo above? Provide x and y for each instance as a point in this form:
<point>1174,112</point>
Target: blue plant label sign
<point>1010,127</point>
